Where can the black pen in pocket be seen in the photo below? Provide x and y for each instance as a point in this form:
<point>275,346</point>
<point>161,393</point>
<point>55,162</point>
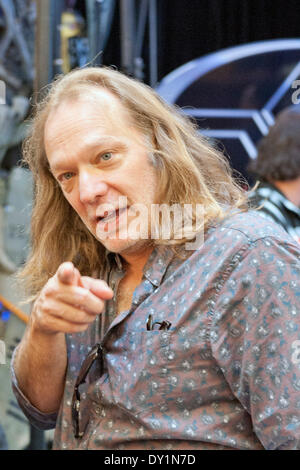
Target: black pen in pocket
<point>163,325</point>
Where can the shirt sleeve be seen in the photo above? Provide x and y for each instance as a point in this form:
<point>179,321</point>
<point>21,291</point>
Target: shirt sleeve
<point>38,419</point>
<point>255,338</point>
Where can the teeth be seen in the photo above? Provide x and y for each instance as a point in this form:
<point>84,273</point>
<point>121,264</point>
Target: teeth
<point>108,215</point>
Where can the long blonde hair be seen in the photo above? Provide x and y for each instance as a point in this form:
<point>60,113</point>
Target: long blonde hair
<point>189,171</point>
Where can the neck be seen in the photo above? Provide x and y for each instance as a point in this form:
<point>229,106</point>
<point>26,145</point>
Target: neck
<point>136,261</point>
<point>291,189</point>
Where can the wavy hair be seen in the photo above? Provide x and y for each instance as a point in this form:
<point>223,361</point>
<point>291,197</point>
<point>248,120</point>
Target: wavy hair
<point>189,171</point>
<point>278,157</point>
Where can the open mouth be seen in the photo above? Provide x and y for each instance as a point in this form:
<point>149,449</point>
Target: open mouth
<point>111,215</point>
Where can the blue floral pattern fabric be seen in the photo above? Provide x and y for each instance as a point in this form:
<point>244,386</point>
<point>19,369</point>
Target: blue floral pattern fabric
<point>226,375</point>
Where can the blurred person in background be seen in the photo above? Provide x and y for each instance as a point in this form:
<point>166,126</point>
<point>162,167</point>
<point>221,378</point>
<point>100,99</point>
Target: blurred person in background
<point>277,168</point>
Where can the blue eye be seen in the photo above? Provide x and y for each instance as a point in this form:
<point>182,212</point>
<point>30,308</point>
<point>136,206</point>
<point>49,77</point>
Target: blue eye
<point>106,156</point>
<point>67,176</point>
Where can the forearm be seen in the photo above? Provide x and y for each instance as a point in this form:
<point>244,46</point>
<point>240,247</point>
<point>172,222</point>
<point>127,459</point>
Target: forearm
<point>67,304</point>
<point>40,367</point>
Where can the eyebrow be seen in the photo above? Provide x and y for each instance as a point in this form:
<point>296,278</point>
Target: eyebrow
<point>105,142</point>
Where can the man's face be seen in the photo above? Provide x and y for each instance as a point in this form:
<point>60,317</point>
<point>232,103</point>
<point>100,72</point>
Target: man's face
<point>101,163</point>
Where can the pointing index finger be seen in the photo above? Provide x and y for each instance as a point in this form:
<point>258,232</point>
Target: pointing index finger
<point>68,274</point>
<point>97,287</point>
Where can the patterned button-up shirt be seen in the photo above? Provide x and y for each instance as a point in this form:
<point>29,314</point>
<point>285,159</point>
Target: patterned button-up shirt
<point>226,375</point>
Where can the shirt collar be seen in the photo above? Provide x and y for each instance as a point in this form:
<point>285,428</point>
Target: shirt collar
<point>154,268</point>
<point>158,263</point>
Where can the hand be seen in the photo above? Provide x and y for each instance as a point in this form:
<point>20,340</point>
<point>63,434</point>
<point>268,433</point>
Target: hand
<point>69,302</point>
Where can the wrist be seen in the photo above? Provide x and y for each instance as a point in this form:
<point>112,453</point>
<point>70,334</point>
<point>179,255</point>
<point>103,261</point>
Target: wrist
<point>37,332</point>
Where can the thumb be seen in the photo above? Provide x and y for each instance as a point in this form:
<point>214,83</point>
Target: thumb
<point>68,274</point>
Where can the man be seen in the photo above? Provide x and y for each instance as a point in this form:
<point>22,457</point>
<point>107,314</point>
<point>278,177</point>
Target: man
<point>138,340</point>
<point>278,168</point>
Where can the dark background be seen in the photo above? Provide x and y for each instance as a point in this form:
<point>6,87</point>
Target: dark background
<point>188,29</point>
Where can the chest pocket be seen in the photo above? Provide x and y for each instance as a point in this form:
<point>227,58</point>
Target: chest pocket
<point>138,368</point>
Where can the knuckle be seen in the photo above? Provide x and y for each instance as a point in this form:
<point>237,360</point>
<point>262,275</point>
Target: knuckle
<point>44,322</point>
<point>50,289</point>
<point>84,296</point>
<point>62,313</point>
<point>46,308</point>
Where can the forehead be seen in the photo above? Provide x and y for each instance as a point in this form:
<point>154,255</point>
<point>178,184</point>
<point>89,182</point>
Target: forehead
<point>76,124</point>
<point>99,108</point>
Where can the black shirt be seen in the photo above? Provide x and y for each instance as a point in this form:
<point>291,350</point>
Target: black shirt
<point>277,207</point>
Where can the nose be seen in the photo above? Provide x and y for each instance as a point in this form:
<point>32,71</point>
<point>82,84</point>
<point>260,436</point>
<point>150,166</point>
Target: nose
<point>91,186</point>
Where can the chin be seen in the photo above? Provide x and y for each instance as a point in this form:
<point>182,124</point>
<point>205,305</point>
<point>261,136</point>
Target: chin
<point>124,247</point>
<point>119,246</point>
